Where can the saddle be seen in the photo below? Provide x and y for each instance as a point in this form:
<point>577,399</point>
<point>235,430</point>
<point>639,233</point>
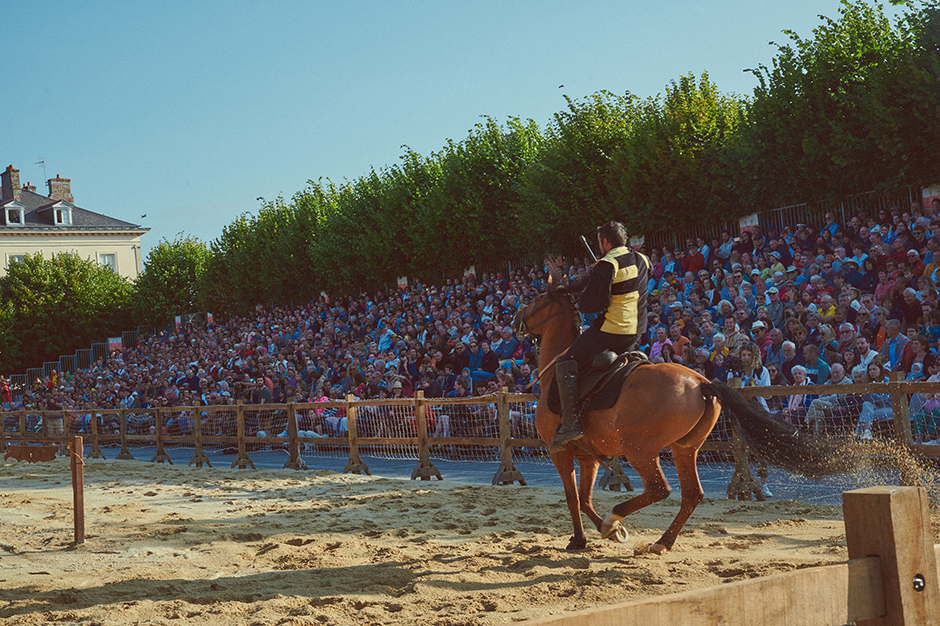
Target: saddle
<point>599,385</point>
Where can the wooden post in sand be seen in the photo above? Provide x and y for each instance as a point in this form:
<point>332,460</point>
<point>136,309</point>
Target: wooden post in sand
<point>241,459</point>
<point>76,449</point>
<point>199,456</point>
<point>160,455</point>
<point>507,473</point>
<point>293,446</point>
<point>124,454</point>
<point>96,452</point>
<point>354,465</point>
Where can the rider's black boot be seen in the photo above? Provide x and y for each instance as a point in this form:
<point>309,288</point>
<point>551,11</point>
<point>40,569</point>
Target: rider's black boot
<point>570,429</point>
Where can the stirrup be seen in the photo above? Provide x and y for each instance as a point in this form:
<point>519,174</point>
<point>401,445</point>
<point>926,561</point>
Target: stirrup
<point>561,440</point>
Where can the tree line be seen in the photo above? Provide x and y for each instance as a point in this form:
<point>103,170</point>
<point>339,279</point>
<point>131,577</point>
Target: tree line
<point>852,108</point>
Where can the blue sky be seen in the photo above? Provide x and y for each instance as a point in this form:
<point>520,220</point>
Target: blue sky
<point>189,112</point>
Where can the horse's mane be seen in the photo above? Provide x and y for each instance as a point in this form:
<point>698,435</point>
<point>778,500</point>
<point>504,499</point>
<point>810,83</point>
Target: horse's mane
<point>557,290</point>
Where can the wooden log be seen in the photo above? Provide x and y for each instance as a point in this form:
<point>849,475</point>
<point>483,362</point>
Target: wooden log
<point>893,523</point>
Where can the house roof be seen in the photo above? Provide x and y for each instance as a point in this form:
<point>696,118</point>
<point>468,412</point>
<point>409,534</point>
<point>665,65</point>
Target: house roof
<point>35,216</point>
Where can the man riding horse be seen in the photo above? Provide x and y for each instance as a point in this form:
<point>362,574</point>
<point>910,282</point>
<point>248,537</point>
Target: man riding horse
<point>616,288</point>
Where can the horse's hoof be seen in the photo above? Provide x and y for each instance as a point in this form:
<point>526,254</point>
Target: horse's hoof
<point>615,531</point>
<point>657,548</point>
<point>577,543</point>
<point>610,526</point>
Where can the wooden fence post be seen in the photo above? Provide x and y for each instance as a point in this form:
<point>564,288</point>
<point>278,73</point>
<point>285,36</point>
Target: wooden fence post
<point>742,483</point>
<point>900,406</point>
<point>507,473</point>
<point>425,469</point>
<point>199,456</point>
<point>160,455</point>
<point>614,477</point>
<point>354,465</point>
<point>293,446</point>
<point>125,453</point>
<point>241,459</point>
<point>96,452</point>
<point>76,449</point>
<point>893,523</point>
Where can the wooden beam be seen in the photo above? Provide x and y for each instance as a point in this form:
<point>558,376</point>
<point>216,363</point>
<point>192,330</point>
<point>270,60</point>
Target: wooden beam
<point>830,595</point>
<point>893,523</point>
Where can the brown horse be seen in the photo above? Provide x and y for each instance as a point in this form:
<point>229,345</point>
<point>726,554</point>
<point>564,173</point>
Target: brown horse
<point>662,405</point>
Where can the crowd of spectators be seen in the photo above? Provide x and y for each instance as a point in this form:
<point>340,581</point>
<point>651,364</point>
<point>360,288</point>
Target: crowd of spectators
<point>797,306</point>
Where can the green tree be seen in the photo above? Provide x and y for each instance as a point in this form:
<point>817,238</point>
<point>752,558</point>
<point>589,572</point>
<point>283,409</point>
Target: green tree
<point>169,284</point>
<point>675,163</point>
<point>61,304</point>
<point>851,109</point>
<point>567,187</point>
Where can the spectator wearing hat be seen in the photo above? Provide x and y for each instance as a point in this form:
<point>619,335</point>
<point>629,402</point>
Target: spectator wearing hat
<point>775,307</point>
<point>761,337</point>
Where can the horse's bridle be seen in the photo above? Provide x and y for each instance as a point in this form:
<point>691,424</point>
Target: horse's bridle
<point>525,313</point>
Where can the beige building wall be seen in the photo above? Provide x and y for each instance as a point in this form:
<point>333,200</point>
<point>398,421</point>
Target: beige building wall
<point>100,245</point>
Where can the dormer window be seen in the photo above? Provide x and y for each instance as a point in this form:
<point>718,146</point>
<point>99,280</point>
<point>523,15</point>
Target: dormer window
<point>16,216</point>
<point>63,216</point>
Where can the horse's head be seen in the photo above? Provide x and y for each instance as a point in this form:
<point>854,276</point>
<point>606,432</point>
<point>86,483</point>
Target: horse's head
<point>546,306</point>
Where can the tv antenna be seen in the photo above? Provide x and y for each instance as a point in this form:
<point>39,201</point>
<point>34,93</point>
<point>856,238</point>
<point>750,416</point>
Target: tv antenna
<point>42,162</point>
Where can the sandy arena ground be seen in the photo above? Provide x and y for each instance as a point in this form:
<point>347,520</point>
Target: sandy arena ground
<point>177,545</point>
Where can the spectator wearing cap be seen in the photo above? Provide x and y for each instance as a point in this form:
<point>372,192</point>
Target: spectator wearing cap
<point>775,307</point>
<point>761,337</point>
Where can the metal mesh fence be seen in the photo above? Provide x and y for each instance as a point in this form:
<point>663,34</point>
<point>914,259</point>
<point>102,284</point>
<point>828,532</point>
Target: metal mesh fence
<point>467,429</point>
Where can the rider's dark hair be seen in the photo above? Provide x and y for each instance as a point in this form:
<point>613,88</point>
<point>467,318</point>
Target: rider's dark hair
<point>614,232</point>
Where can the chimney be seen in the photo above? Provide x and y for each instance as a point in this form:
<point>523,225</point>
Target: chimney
<point>60,189</point>
<point>29,187</point>
<point>11,184</point>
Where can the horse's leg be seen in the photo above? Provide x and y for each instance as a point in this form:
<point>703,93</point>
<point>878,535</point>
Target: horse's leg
<point>684,455</point>
<point>564,463</point>
<point>655,488</point>
<point>588,476</point>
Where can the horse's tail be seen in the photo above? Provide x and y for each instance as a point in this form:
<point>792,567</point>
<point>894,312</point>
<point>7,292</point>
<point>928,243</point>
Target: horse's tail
<point>782,444</point>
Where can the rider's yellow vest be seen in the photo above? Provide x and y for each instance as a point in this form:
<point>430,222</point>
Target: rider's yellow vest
<point>622,314</point>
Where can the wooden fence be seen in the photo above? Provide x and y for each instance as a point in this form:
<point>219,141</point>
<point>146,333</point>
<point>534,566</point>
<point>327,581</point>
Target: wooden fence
<point>890,579</point>
<point>742,484</point>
